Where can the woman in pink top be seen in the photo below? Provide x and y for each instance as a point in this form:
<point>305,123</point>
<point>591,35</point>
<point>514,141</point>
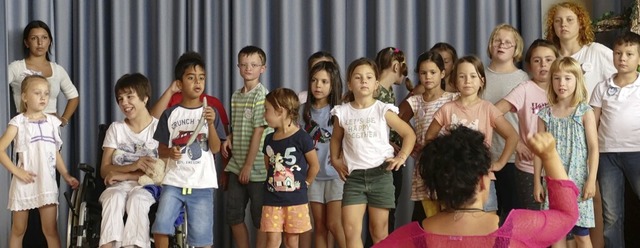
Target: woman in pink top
<point>458,164</point>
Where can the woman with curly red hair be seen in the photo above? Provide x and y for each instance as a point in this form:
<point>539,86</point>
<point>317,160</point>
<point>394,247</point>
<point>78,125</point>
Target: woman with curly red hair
<point>568,26</point>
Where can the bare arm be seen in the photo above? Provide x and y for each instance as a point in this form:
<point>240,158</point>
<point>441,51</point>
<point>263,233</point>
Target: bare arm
<point>314,165</point>
<point>538,192</point>
<point>107,167</point>
<point>254,145</point>
<point>504,106</point>
<point>406,113</point>
<point>408,139</point>
<point>596,113</point>
<point>69,109</point>
<point>5,141</point>
<point>591,134</point>
<point>62,169</point>
<point>213,139</point>
<point>506,131</point>
<point>335,150</point>
<point>165,152</point>
<point>164,99</point>
<point>432,131</point>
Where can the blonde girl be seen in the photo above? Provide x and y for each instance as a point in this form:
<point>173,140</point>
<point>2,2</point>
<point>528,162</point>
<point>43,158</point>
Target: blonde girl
<point>37,142</point>
<point>504,48</point>
<point>292,164</point>
<point>526,100</point>
<point>572,122</point>
<point>362,155</point>
<point>472,111</point>
<point>325,195</point>
<point>431,72</point>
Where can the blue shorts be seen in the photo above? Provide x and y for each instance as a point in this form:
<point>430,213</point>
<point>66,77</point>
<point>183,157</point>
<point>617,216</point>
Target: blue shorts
<point>580,231</point>
<point>199,208</point>
<point>492,202</point>
<point>325,191</point>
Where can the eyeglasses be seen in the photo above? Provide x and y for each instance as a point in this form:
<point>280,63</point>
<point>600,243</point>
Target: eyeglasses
<point>503,44</point>
<point>244,66</point>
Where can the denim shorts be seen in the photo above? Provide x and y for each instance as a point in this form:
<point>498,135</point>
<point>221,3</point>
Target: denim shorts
<point>199,206</point>
<point>373,187</point>
<point>326,191</point>
<point>579,231</point>
<point>236,198</point>
<point>492,202</point>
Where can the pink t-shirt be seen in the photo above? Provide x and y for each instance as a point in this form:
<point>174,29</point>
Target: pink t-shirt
<point>480,117</point>
<point>522,228</point>
<point>527,99</point>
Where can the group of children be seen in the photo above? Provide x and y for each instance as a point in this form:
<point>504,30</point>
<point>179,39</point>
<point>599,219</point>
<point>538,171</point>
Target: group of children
<point>332,154</point>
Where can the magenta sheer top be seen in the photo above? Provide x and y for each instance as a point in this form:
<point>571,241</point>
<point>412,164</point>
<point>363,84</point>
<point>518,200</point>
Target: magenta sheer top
<point>522,228</point>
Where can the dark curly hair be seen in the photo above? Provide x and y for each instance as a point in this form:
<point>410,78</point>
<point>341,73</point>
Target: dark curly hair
<point>453,164</point>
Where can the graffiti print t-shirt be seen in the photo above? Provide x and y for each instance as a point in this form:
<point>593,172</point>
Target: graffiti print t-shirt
<point>130,146</point>
<point>285,185</point>
<point>196,167</point>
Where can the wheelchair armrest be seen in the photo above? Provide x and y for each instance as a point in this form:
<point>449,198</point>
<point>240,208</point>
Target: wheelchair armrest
<point>86,168</point>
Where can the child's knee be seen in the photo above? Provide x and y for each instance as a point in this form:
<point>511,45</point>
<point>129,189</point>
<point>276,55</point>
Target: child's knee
<point>18,229</point>
<point>50,230</point>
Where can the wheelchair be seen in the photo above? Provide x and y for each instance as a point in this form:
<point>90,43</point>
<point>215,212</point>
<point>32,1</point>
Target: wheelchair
<point>85,213</point>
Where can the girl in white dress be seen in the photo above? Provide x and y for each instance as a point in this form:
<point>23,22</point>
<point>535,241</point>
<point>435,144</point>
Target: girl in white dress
<point>37,141</point>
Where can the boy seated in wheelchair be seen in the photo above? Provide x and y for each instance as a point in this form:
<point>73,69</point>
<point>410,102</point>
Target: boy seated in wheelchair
<point>128,151</point>
<point>189,135</point>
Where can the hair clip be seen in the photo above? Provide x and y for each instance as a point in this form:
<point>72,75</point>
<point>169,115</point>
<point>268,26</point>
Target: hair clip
<point>396,50</point>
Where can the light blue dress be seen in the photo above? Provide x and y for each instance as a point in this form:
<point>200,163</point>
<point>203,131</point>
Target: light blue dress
<point>571,143</point>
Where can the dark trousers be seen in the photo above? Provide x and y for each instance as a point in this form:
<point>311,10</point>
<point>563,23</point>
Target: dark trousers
<point>505,190</point>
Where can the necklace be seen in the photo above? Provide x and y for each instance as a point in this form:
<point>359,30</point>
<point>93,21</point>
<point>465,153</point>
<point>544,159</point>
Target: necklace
<point>458,213</point>
<point>468,210</point>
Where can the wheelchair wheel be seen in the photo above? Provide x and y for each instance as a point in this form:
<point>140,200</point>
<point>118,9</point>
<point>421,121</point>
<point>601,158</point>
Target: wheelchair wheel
<point>71,219</point>
<point>76,233</point>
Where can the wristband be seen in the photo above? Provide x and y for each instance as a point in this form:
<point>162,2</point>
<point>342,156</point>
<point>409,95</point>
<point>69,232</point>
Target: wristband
<point>64,121</point>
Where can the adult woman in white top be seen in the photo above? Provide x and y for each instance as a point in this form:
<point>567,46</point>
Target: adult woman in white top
<point>37,39</point>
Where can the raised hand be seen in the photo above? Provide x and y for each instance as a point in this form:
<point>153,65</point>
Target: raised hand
<point>542,144</point>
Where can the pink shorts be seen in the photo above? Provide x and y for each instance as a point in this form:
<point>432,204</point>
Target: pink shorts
<point>290,219</point>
